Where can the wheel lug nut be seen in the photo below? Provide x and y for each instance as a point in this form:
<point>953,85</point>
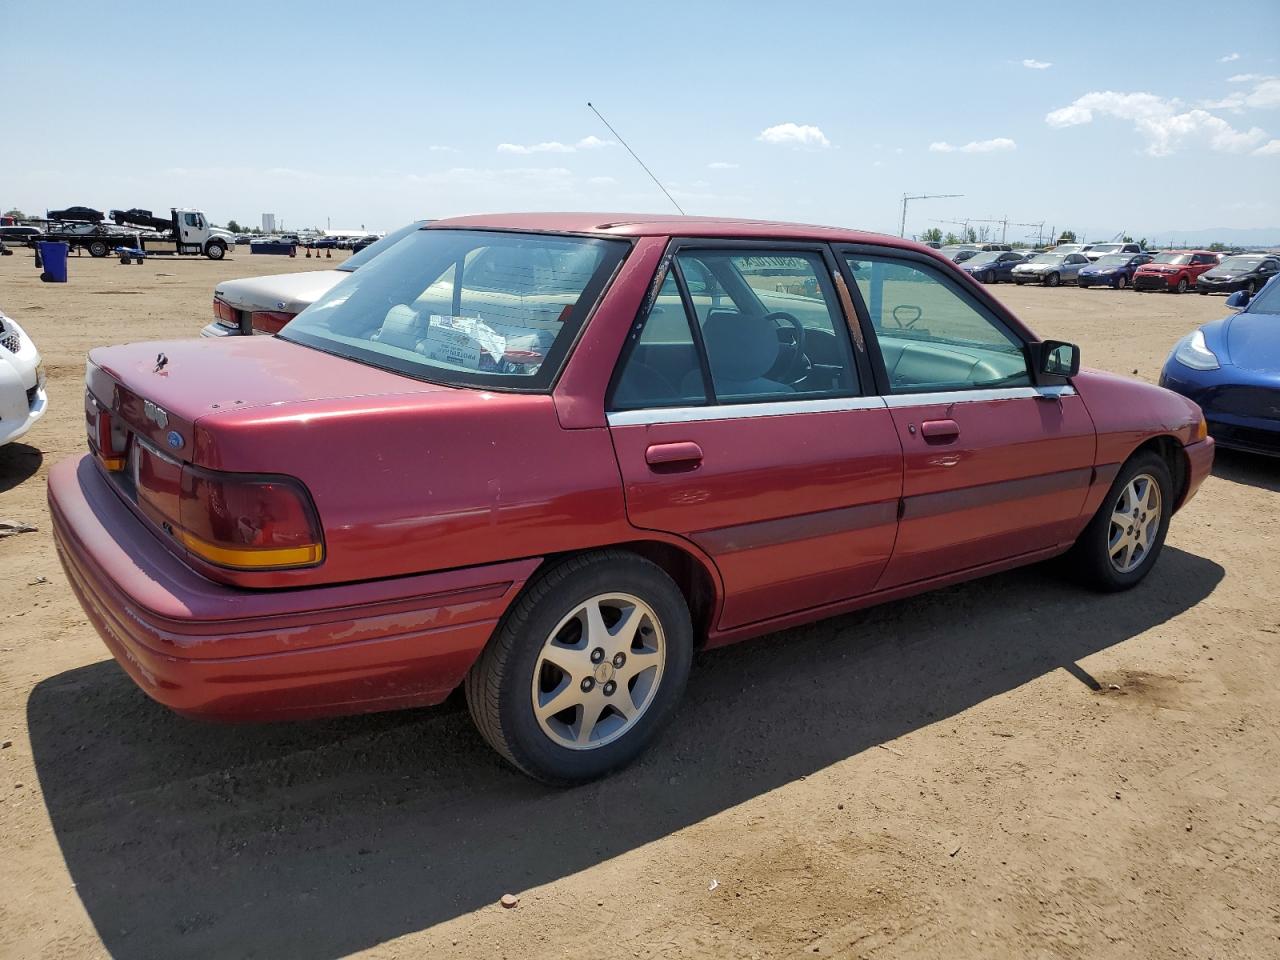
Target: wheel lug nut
<point>587,684</point>
<point>619,659</point>
<point>597,654</point>
<point>609,688</point>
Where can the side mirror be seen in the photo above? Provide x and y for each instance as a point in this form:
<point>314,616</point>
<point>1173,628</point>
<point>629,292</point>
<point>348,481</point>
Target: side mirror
<point>1056,358</point>
<point>1238,300</point>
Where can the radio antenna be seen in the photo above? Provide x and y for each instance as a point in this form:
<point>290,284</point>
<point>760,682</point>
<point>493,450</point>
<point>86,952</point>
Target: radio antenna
<point>634,157</point>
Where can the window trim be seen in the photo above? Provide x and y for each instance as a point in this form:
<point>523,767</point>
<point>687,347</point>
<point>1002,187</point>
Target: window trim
<point>856,350</point>
<point>992,311</point>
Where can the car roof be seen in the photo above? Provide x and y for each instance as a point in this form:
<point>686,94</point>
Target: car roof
<point>661,225</point>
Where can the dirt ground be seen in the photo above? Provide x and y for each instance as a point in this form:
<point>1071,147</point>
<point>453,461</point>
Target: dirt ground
<point>1012,767</point>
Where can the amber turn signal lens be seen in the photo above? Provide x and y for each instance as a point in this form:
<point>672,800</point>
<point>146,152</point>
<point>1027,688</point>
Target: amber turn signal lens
<point>1202,429</point>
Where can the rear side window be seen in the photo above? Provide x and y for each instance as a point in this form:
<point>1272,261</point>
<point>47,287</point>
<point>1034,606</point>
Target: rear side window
<point>663,369</point>
<point>465,307</point>
<point>767,323</point>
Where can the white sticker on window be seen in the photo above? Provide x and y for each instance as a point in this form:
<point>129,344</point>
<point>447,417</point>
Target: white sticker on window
<point>462,341</point>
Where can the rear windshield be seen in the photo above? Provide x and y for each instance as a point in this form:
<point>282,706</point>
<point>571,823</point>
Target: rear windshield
<point>464,307</point>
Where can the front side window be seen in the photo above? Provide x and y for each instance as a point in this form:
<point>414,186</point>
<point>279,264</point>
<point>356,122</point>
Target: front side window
<point>464,307</point>
<point>931,337</point>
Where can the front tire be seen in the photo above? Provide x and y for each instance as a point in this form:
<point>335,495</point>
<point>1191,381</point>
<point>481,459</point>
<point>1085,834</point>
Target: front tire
<point>585,669</point>
<point>1182,285</point>
<point>99,249</point>
<point>1121,543</point>
<point>1052,280</point>
<point>215,251</point>
<point>1121,282</point>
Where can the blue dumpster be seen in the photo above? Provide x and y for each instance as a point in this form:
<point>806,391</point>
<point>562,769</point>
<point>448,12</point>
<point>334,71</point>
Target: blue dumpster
<point>54,255</point>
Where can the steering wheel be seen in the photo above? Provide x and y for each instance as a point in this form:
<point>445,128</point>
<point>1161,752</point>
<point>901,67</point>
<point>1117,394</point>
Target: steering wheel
<point>792,362</point>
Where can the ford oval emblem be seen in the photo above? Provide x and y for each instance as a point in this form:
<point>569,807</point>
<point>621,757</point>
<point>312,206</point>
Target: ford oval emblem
<point>175,439</point>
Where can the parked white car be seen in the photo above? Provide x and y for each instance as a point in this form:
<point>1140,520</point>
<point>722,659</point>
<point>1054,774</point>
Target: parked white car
<point>22,397</point>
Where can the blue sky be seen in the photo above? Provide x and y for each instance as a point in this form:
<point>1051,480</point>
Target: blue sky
<point>1088,116</point>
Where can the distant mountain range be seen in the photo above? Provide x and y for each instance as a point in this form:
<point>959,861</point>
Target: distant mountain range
<point>1232,237</point>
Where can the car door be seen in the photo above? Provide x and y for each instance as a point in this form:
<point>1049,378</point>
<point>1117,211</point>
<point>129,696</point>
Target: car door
<point>995,466</point>
<point>1072,265</point>
<point>745,421</point>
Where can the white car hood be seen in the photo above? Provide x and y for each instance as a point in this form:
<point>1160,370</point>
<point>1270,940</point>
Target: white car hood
<point>287,292</point>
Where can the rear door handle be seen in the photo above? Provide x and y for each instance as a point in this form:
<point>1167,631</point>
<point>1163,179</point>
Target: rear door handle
<point>685,453</point>
<point>939,431</point>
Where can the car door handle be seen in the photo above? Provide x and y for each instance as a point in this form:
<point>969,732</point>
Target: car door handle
<point>686,453</point>
<point>939,431</point>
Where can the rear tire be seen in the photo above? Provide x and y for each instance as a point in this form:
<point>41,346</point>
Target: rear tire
<point>99,248</point>
<point>1112,555</point>
<point>519,673</point>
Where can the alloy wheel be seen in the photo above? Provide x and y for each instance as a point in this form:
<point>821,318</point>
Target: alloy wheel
<point>598,671</point>
<point>1135,523</point>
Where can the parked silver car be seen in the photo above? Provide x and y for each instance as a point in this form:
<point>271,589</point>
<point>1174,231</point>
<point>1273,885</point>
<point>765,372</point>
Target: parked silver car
<point>1050,269</point>
<point>265,304</point>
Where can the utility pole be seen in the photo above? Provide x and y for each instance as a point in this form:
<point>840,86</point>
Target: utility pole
<point>902,224</point>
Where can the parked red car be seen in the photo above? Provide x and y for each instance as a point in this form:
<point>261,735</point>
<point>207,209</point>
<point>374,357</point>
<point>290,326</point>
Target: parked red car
<point>548,456</point>
<point>1175,271</point>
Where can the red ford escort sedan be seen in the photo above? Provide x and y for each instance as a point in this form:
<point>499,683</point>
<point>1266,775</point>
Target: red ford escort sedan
<point>548,456</point>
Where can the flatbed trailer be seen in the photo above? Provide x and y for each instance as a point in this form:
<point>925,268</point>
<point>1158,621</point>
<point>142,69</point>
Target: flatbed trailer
<point>187,233</point>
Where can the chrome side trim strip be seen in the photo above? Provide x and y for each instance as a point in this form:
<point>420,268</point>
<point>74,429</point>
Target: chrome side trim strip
<point>975,396</point>
<point>743,411</point>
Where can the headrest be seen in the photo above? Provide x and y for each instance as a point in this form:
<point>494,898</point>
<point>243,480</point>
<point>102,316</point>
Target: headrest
<point>740,346</point>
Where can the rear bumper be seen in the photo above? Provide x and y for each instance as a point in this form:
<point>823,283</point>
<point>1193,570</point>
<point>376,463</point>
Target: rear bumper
<point>209,650</point>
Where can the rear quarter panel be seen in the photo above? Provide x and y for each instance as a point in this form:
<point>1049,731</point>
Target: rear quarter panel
<point>405,486</point>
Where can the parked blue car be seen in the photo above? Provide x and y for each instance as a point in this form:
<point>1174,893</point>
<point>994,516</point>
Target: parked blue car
<point>1231,368</point>
<point>991,266</point>
<point>1113,270</point>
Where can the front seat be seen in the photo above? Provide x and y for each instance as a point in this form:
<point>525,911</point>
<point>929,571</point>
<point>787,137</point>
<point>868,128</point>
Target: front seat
<point>742,348</point>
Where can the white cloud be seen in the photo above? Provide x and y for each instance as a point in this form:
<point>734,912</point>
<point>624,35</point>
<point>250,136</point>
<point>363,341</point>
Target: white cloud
<point>554,146</point>
<point>1158,121</point>
<point>601,181</point>
<point>796,134</point>
<point>1265,95</point>
<point>438,148</point>
<point>975,146</point>
<point>1036,64</point>
<point>1269,149</point>
<point>1229,58</point>
<point>1247,77</point>
<point>722,165</point>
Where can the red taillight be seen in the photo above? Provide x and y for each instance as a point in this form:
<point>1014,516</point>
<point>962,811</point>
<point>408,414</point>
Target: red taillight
<point>225,314</point>
<point>106,439</point>
<point>240,521</point>
<point>269,321</point>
